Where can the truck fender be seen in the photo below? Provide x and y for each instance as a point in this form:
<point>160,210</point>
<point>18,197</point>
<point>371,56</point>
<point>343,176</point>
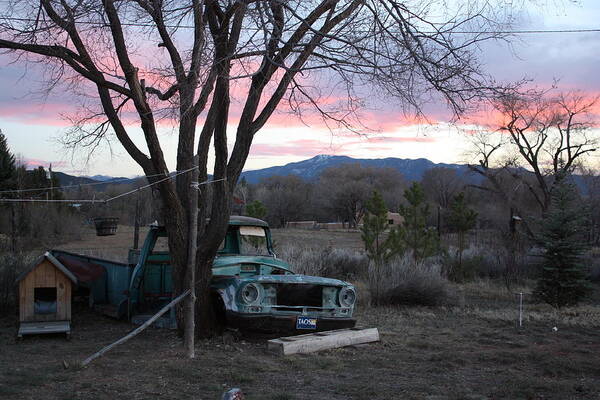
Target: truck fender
<point>227,295</point>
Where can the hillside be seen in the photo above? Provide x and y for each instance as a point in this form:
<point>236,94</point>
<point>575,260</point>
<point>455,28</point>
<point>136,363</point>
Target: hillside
<point>310,169</point>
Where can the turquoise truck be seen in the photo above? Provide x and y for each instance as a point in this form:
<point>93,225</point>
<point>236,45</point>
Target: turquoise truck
<point>252,289</point>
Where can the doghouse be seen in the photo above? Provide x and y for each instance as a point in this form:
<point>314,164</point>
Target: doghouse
<point>45,297</point>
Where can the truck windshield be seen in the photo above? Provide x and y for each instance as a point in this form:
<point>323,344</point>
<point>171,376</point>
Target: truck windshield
<point>253,241</point>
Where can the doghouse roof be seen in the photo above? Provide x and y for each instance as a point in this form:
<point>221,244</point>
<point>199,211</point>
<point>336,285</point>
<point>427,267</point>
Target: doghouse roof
<point>54,262</point>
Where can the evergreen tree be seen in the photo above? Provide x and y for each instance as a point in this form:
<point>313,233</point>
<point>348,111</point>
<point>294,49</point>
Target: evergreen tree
<point>379,246</point>
<point>414,232</point>
<point>256,209</point>
<point>461,220</point>
<point>562,280</point>
<point>7,164</point>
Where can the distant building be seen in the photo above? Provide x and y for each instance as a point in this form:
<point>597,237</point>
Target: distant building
<point>393,219</point>
<point>301,225</point>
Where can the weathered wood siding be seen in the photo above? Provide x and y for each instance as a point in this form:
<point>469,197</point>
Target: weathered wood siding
<point>45,275</point>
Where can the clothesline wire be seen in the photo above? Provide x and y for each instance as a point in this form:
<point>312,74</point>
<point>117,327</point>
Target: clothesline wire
<point>79,184</point>
<point>106,201</point>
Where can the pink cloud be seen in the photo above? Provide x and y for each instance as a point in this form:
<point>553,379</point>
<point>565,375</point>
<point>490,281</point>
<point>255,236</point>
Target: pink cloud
<point>310,147</point>
<point>35,114</point>
<point>489,118</point>
<point>31,163</point>
<point>389,139</point>
<point>303,147</point>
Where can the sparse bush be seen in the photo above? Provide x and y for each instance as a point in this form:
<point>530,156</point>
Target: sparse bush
<point>489,262</point>
<point>11,265</point>
<point>476,262</point>
<point>329,262</point>
<point>464,270</point>
<point>401,282</point>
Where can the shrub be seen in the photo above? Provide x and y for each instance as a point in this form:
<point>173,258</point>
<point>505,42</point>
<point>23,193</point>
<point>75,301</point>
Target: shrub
<point>329,262</point>
<point>476,263</point>
<point>489,262</point>
<point>402,282</point>
<point>11,265</point>
<point>397,282</point>
<point>464,271</point>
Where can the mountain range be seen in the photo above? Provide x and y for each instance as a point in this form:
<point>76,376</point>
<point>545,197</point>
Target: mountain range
<point>310,169</point>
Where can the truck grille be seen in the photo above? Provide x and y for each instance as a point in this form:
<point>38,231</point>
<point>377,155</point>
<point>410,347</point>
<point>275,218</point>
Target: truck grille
<point>299,295</point>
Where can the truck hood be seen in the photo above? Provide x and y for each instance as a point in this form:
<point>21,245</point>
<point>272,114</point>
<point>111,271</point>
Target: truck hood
<point>229,261</point>
<point>314,280</point>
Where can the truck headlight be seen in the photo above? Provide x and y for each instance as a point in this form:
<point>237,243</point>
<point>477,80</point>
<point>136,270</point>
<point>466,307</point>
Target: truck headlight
<point>347,297</point>
<point>251,293</point>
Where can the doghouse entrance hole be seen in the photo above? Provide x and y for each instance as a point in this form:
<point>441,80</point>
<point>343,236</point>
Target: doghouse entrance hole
<point>45,300</point>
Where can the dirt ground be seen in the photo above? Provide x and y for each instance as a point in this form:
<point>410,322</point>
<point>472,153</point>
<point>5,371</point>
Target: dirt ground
<point>472,351</point>
<point>424,354</point>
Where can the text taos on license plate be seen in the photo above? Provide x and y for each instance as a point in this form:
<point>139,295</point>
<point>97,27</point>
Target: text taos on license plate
<point>306,323</point>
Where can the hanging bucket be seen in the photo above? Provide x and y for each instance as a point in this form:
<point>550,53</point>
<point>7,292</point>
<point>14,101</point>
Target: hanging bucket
<point>106,226</point>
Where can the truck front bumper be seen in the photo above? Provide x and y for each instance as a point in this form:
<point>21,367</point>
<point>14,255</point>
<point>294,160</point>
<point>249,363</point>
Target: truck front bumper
<point>283,323</point>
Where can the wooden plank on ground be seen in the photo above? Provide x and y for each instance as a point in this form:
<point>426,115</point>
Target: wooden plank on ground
<point>312,342</point>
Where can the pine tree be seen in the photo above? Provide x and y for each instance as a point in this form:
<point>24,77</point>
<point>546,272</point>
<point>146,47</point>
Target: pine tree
<point>256,209</point>
<point>461,220</point>
<point>379,246</point>
<point>562,280</point>
<point>414,232</point>
<point>7,164</point>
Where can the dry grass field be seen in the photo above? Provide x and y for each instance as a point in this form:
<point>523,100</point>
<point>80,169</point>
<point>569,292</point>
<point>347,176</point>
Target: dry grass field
<point>473,350</point>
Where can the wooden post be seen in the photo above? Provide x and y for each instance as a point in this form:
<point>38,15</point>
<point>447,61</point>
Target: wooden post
<point>136,229</point>
<point>439,222</point>
<point>13,226</point>
<point>190,304</point>
<point>51,185</point>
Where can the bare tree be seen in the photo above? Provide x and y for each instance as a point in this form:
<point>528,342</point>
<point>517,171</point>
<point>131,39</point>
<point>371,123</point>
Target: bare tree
<point>542,137</point>
<point>346,189</point>
<point>590,183</point>
<point>287,198</point>
<point>441,184</point>
<point>194,61</point>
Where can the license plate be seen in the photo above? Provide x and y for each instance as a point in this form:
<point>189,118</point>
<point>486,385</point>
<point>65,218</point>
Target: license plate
<point>306,323</point>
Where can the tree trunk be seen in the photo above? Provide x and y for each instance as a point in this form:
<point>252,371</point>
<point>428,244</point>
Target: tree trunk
<point>209,242</point>
<point>207,325</point>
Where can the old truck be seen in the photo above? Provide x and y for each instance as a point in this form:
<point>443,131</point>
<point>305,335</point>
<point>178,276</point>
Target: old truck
<point>252,288</point>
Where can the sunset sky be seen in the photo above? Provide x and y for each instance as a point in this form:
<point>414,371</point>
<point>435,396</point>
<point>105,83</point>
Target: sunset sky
<point>33,124</point>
